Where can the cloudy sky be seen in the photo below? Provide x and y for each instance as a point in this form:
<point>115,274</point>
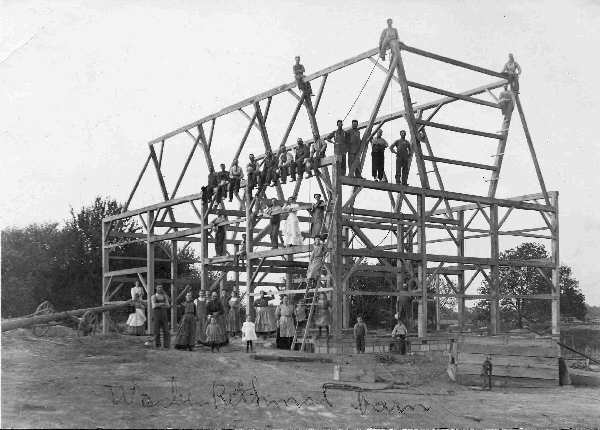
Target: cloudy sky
<point>84,87</point>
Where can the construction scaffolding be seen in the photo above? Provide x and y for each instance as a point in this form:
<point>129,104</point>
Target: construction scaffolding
<point>413,223</point>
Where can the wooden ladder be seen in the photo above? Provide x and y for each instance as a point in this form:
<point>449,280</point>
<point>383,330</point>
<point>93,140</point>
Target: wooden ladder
<point>313,302</point>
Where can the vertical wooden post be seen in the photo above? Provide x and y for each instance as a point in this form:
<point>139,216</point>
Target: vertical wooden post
<point>249,247</point>
<point>173,285</point>
<point>494,271</point>
<point>335,251</point>
<point>536,164</point>
<point>150,267</point>
<point>401,301</point>
<point>105,269</point>
<point>236,288</point>
<point>422,270</point>
<point>345,284</point>
<point>499,155</point>
<point>203,248</point>
<point>460,284</point>
<point>289,278</point>
<point>556,269</point>
<point>409,115</point>
<point>437,306</point>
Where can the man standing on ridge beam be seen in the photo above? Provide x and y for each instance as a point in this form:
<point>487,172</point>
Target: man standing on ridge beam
<point>514,70</point>
<point>388,34</point>
<point>402,149</point>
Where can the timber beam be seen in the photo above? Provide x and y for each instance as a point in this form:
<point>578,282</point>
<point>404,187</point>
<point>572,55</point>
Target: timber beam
<point>398,188</point>
<point>372,253</point>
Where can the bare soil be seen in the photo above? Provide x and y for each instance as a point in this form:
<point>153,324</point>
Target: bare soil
<point>118,382</point>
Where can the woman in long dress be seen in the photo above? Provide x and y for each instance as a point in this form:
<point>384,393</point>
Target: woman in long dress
<point>285,323</point>
<point>137,319</point>
<point>214,309</point>
<point>186,333</point>
<point>291,229</point>
<point>265,318</point>
<point>202,318</point>
<point>317,211</point>
<point>233,316</point>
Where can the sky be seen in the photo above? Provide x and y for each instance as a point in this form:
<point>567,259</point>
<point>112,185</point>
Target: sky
<point>85,85</point>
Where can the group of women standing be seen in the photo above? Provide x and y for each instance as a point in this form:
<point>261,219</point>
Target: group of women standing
<point>196,324</point>
<point>212,321</point>
<point>287,316</point>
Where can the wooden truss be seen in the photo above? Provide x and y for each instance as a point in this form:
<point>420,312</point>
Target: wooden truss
<point>418,214</point>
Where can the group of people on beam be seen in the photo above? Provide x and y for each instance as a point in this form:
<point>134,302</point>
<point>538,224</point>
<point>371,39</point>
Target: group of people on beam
<point>304,160</point>
<point>273,210</point>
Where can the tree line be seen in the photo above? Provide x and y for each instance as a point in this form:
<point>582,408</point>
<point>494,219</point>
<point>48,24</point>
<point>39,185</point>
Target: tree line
<point>62,263</point>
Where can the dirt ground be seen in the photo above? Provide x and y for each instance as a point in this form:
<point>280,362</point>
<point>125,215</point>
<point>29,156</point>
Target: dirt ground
<point>118,382</point>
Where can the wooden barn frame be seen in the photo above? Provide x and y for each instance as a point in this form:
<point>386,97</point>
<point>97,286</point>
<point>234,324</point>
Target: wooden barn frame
<point>418,210</point>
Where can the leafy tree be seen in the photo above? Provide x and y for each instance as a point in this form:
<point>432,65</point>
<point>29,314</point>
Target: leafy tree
<point>529,281</point>
<point>572,300</point>
<point>64,264</point>
<point>378,311</point>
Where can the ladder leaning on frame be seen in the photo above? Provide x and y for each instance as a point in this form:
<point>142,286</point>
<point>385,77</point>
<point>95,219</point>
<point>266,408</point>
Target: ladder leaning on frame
<point>313,300</point>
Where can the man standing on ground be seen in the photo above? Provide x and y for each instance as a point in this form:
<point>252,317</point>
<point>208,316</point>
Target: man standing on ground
<point>360,333</point>
<point>399,336</point>
<point>160,309</point>
<point>378,146</point>
<point>401,148</point>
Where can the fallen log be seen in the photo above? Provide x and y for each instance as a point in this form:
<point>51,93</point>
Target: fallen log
<point>24,322</point>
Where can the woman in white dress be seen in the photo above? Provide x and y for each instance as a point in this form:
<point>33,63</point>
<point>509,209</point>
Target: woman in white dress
<point>291,230</point>
<point>137,319</point>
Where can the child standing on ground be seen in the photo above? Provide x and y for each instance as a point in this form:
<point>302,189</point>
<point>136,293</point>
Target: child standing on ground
<point>248,333</point>
<point>360,332</point>
<point>213,334</point>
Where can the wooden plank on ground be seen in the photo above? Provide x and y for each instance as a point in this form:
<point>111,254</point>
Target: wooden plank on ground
<point>525,351</point>
<point>510,371</point>
<point>508,360</point>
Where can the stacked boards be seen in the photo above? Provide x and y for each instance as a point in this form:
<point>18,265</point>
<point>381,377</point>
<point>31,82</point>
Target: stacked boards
<point>517,361</point>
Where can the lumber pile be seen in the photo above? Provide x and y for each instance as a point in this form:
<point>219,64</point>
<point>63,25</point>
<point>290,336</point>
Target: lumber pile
<point>518,361</point>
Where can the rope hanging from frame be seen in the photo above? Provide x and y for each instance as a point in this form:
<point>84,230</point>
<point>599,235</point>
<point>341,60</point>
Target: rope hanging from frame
<point>361,90</point>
